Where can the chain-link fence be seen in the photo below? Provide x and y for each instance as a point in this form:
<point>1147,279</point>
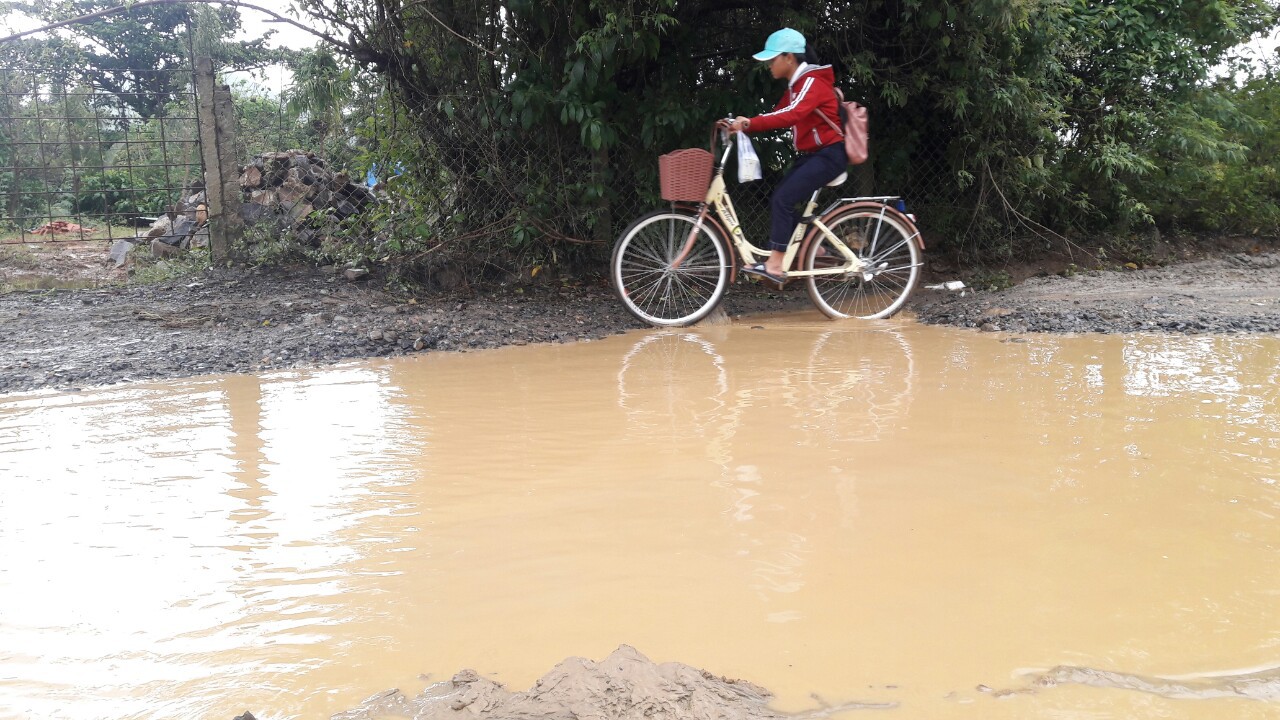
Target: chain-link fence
<point>370,178</point>
<point>453,173</point>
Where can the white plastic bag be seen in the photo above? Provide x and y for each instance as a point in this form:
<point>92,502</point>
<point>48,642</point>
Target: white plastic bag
<point>748,161</point>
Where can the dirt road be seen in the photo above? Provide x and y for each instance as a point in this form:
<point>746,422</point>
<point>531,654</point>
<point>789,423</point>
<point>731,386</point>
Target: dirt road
<point>1236,293</point>
<point>237,321</point>
<point>232,322</point>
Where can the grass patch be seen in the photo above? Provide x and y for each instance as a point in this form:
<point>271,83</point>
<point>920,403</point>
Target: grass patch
<point>991,280</point>
<point>148,269</point>
<point>18,257</point>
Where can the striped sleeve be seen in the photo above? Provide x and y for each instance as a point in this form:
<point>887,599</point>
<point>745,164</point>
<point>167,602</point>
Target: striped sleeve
<point>803,103</point>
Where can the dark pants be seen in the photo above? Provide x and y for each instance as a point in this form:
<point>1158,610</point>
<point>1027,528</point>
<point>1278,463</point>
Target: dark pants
<point>810,172</point>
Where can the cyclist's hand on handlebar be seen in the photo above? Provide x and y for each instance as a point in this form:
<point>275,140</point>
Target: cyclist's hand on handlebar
<point>734,125</point>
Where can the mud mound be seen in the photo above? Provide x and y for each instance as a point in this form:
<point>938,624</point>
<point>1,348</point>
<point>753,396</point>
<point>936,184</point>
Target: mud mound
<point>1259,685</point>
<point>624,686</point>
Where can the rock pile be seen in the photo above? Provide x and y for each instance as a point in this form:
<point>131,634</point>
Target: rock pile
<point>298,190</point>
<point>184,226</point>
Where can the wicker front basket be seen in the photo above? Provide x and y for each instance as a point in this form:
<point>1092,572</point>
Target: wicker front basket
<point>685,175</point>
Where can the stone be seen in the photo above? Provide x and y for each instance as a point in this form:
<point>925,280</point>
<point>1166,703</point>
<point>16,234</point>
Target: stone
<point>251,177</point>
<point>120,251</point>
<point>263,197</point>
<point>200,238</point>
<point>182,227</point>
<point>300,210</point>
<point>375,335</point>
<point>293,190</point>
<point>354,274</point>
<point>164,250</point>
<point>990,327</point>
<point>162,226</point>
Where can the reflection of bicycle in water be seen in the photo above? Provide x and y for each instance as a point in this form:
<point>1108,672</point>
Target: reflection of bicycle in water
<point>712,399</point>
<point>658,374</point>
<point>860,257</point>
<point>853,386</point>
<point>868,376</point>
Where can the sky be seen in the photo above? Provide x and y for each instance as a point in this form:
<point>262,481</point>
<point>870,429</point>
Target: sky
<point>286,35</point>
<point>272,79</point>
<point>255,23</point>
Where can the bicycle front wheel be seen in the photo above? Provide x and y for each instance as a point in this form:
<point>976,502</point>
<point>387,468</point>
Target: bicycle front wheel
<point>646,281</point>
<point>885,242</point>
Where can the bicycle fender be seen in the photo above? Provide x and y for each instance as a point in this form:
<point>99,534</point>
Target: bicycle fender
<point>873,206</point>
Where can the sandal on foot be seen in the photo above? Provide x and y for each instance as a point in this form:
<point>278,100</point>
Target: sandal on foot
<point>759,271</point>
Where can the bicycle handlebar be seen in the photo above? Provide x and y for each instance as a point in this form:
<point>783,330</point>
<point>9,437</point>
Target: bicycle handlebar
<point>718,128</point>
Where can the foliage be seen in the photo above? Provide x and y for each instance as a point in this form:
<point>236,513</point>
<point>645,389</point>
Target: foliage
<point>1222,171</point>
<point>147,269</point>
<point>997,118</point>
<point>265,123</point>
<point>117,191</point>
<point>526,130</point>
<point>320,91</point>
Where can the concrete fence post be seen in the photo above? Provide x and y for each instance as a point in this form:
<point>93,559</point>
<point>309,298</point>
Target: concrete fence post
<point>218,149</point>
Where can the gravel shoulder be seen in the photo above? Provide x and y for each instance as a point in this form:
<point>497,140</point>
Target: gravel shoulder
<point>236,321</point>
<point>1233,293</point>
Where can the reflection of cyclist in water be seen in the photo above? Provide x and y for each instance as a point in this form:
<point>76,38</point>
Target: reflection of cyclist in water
<point>810,91</point>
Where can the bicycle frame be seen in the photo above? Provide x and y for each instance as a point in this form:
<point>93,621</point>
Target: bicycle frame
<point>718,199</point>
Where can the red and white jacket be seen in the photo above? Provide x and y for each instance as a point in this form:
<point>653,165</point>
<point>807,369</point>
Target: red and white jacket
<point>813,87</point>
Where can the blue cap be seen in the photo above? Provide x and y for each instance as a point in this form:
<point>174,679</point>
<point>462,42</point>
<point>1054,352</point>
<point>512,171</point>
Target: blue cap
<point>785,40</point>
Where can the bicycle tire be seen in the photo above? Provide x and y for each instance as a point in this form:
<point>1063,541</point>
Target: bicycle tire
<point>653,292</point>
<point>882,238</point>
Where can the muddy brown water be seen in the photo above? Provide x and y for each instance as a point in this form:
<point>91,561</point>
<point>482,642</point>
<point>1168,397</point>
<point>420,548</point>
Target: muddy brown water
<point>883,513</point>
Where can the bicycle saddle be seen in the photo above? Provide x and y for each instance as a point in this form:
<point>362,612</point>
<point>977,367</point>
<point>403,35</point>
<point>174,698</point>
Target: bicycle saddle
<point>839,180</point>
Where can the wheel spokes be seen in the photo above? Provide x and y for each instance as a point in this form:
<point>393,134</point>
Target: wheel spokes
<point>655,288</point>
<point>889,273</point>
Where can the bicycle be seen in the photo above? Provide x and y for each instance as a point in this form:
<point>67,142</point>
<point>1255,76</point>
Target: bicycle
<point>860,258</point>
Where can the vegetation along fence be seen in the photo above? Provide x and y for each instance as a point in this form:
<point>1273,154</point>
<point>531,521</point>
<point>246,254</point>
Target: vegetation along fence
<point>501,138</point>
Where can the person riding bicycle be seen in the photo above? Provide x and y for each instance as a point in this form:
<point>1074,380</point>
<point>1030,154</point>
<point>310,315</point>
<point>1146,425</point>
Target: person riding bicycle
<point>810,90</point>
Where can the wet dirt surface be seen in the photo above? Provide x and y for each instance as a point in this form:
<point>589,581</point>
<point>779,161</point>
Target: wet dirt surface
<point>238,321</point>
<point>1261,685</point>
<point>225,321</point>
<point>1235,293</point>
<point>65,263</point>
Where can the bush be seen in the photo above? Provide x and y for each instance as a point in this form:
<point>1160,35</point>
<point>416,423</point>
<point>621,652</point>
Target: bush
<point>116,192</point>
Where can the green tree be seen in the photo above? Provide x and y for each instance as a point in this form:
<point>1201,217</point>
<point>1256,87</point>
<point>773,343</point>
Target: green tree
<point>322,89</point>
<point>138,54</point>
<point>1000,117</point>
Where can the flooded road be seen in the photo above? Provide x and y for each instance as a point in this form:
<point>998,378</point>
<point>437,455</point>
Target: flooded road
<point>886,513</point>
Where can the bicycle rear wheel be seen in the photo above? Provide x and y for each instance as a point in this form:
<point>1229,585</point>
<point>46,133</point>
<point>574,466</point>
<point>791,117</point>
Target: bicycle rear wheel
<point>654,291</point>
<point>883,240</point>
